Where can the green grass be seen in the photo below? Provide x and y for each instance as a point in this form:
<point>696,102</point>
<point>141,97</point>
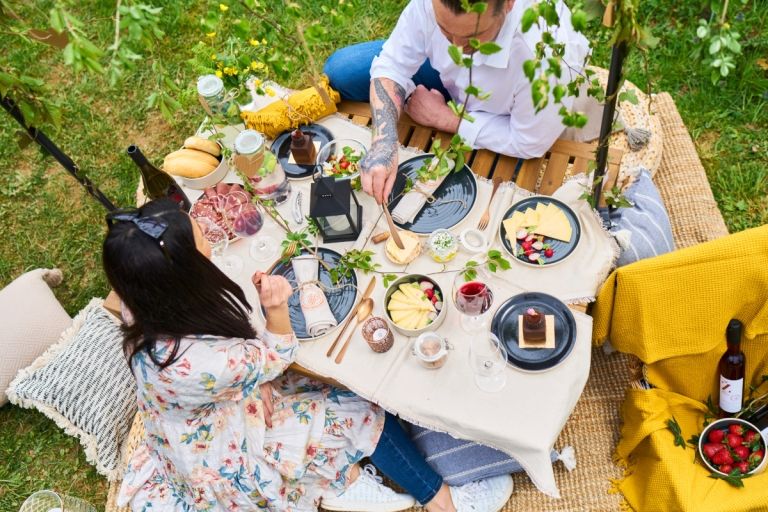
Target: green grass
<point>46,219</point>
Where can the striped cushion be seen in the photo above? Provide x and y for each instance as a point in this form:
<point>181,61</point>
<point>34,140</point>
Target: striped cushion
<point>460,462</point>
<point>83,383</point>
<point>643,230</point>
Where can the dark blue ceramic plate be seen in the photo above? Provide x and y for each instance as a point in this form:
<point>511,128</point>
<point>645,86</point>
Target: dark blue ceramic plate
<point>281,147</point>
<point>341,298</point>
<point>562,249</point>
<point>505,327</point>
<point>454,198</point>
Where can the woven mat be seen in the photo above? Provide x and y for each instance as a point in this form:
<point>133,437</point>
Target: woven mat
<point>593,428</point>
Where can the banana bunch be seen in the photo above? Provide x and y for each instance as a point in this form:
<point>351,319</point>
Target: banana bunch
<point>198,158</point>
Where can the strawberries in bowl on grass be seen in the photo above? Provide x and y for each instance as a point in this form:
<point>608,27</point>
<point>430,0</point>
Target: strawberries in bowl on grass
<point>732,449</point>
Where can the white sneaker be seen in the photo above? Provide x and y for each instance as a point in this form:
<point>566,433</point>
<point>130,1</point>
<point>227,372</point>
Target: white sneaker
<point>368,494</point>
<point>489,495</point>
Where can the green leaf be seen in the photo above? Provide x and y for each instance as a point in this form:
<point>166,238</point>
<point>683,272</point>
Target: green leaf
<point>674,427</point>
<point>529,68</point>
<point>494,253</point>
<point>529,18</point>
<point>478,8</point>
<point>558,93</point>
<point>57,20</point>
<point>579,20</point>
<point>628,95</point>
<point>714,47</point>
<point>455,54</point>
<point>489,48</point>
<point>732,479</point>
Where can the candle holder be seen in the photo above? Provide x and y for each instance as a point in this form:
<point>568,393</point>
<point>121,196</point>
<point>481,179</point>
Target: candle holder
<point>376,332</point>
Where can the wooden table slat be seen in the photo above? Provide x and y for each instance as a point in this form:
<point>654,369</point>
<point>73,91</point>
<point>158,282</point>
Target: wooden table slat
<point>505,168</point>
<point>580,165</point>
<point>529,174</point>
<point>361,120</point>
<point>421,138</point>
<point>355,108</point>
<point>482,162</point>
<point>554,173</point>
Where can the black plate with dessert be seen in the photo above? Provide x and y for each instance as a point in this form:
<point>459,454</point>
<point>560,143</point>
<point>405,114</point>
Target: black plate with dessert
<point>296,150</point>
<point>341,298</point>
<point>542,321</point>
<point>539,231</point>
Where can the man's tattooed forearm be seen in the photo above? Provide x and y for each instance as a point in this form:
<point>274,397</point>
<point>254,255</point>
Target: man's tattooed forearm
<point>386,108</point>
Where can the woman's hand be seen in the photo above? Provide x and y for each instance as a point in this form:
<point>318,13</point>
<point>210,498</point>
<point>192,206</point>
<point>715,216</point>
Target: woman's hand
<point>266,399</point>
<point>274,292</point>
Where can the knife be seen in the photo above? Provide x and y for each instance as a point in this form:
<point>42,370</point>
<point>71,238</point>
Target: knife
<point>352,315</point>
<point>392,228</point>
<point>297,214</point>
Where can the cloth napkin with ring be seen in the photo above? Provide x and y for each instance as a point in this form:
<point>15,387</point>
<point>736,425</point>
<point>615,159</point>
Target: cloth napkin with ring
<point>314,305</point>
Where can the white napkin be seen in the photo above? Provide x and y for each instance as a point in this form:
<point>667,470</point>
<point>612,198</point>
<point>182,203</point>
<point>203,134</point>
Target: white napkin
<point>314,305</point>
<point>411,203</point>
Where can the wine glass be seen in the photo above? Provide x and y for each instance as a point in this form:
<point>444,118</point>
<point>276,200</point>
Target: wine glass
<point>489,362</point>
<point>472,299</point>
<point>247,221</point>
<point>218,238</point>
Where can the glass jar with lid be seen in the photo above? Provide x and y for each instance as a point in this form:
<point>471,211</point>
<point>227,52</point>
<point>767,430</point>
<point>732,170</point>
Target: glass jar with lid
<point>443,245</point>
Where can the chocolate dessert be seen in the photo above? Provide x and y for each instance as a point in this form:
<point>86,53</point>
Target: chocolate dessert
<point>302,148</point>
<point>534,326</point>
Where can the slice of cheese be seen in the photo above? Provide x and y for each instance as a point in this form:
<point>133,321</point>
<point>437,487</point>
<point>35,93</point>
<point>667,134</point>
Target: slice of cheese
<point>512,225</point>
<point>530,218</point>
<point>555,225</point>
<point>398,316</point>
<point>410,320</point>
<point>423,320</point>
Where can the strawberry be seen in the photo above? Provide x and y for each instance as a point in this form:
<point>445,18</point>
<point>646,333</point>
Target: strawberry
<point>527,246</point>
<point>722,457</point>
<point>735,428</point>
<point>741,452</point>
<point>710,449</point>
<point>749,436</point>
<point>725,468</point>
<point>734,440</point>
<point>743,467</point>
<point>756,456</point>
<point>429,293</point>
<point>434,299</point>
<point>716,436</point>
<point>549,252</point>
<point>344,164</point>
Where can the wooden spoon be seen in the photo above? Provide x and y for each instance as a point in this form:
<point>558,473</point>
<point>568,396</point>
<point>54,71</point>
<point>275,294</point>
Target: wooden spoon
<point>362,313</point>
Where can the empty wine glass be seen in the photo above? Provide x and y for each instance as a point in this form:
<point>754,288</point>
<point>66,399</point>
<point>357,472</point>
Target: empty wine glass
<point>489,362</point>
<point>218,238</point>
<point>472,299</point>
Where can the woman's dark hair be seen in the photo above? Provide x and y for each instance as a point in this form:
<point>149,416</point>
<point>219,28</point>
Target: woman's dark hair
<point>170,287</point>
<point>456,8</point>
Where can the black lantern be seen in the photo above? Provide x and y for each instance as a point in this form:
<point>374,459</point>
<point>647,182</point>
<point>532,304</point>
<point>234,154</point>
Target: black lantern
<point>334,207</point>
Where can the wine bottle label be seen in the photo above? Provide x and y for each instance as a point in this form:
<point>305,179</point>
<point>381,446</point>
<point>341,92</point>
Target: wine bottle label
<point>731,394</point>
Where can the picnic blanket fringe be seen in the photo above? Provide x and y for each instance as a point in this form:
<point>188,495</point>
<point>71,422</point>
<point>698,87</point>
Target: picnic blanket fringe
<point>86,440</point>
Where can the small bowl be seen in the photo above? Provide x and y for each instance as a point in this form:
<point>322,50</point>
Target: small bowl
<point>724,423</point>
<point>417,278</point>
<point>210,179</point>
<point>336,148</point>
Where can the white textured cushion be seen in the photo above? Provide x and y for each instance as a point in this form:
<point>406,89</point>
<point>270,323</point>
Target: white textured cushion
<point>83,383</point>
<point>31,319</point>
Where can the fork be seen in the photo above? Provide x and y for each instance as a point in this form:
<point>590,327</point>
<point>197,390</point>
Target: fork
<point>487,213</point>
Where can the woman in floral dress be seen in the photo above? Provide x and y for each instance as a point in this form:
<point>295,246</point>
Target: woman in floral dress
<point>226,428</point>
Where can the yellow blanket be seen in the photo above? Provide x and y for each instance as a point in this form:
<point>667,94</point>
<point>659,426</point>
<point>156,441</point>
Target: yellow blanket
<point>671,312</point>
<point>300,107</point>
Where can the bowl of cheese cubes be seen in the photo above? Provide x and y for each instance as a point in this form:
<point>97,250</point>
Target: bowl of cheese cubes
<point>415,304</point>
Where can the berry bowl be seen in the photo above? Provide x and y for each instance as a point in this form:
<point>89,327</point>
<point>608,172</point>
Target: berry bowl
<point>732,447</point>
<point>415,304</point>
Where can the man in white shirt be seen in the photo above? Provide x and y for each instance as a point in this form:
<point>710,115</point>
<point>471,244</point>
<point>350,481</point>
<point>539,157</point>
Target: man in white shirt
<point>414,73</point>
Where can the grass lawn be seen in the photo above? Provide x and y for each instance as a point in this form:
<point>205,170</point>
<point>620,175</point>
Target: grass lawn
<point>46,219</point>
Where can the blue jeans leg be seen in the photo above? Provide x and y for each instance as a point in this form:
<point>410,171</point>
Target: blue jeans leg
<point>349,71</point>
<point>397,457</point>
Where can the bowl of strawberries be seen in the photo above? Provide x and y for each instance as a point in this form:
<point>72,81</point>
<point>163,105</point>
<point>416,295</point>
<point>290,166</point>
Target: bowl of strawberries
<point>732,447</point>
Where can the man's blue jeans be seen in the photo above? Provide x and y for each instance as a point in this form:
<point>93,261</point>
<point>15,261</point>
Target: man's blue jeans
<point>349,71</point>
<point>398,458</point>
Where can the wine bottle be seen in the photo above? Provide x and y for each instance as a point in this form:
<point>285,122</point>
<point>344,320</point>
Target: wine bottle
<point>731,371</point>
<point>760,419</point>
<point>158,184</point>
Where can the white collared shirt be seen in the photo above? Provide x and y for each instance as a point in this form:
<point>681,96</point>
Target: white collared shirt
<point>506,122</point>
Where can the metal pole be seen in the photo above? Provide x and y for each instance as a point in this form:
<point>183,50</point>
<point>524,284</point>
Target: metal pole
<point>618,54</point>
<point>10,106</point>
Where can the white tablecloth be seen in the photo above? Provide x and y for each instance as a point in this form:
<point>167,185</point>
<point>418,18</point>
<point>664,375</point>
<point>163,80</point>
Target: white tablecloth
<point>526,417</point>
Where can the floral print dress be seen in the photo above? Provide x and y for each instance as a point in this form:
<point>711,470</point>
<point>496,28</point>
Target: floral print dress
<point>207,447</point>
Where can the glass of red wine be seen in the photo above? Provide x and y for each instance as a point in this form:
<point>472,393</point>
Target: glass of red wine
<point>472,299</point>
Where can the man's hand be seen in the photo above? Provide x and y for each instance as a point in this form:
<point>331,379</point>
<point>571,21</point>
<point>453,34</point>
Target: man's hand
<point>427,107</point>
<point>379,170</point>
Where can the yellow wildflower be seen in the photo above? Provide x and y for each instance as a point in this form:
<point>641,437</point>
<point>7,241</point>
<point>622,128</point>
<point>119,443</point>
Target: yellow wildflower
<point>224,8</point>
<point>211,34</point>
<point>257,82</point>
<point>270,91</point>
<point>213,57</point>
<point>254,42</point>
<point>254,65</point>
<point>218,73</point>
<point>264,40</point>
